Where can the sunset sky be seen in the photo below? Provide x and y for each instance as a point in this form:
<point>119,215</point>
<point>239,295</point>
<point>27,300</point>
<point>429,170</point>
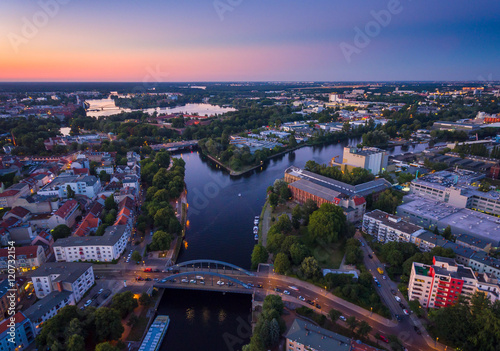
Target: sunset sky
<point>248,40</point>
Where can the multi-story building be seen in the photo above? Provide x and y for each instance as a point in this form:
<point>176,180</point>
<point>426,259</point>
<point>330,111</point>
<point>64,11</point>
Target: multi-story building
<point>4,300</point>
<point>440,284</point>
<point>455,189</point>
<point>75,277</point>
<point>48,307</point>
<point>386,227</point>
<point>81,185</point>
<point>24,334</point>
<point>305,336</point>
<point>66,214</point>
<point>93,248</point>
<point>27,258</point>
<point>431,214</point>
<point>370,158</point>
<point>303,190</point>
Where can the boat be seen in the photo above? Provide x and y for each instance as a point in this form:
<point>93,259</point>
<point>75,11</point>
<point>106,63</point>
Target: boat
<point>255,230</point>
<point>153,339</point>
<point>256,237</point>
<point>239,195</point>
<point>256,220</point>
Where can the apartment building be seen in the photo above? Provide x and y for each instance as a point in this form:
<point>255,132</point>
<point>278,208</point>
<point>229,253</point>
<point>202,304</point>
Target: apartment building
<point>48,307</point>
<point>456,189</point>
<point>81,185</point>
<point>75,277</point>
<point>305,336</point>
<point>27,258</point>
<point>372,159</point>
<point>93,248</point>
<point>66,214</point>
<point>386,227</point>
<point>24,333</point>
<point>440,284</point>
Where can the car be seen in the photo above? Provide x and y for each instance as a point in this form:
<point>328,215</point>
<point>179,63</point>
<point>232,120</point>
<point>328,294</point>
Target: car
<point>250,284</point>
<point>193,281</point>
<point>383,277</point>
<point>277,290</point>
<point>148,279</point>
<point>417,329</point>
<point>405,311</point>
<point>106,295</point>
<point>163,280</point>
<point>342,318</point>
<point>156,270</point>
<point>378,284</point>
<point>30,295</point>
<point>398,299</point>
<point>88,303</point>
<point>393,291</point>
<point>100,291</point>
<point>383,338</point>
<point>184,280</point>
<point>310,302</point>
<point>402,306</point>
<point>398,317</point>
<point>301,298</point>
<point>259,286</point>
<point>139,278</point>
<point>220,282</point>
<point>202,282</point>
<point>318,306</point>
<point>370,256</point>
<point>199,277</point>
<point>97,277</point>
<point>286,292</point>
<point>156,279</point>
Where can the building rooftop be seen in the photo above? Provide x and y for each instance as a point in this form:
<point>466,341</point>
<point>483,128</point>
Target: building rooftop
<point>40,308</point>
<point>66,209</point>
<point>394,222</point>
<point>344,188</point>
<point>25,252</point>
<point>66,271</point>
<point>473,241</point>
<point>19,318</point>
<point>317,338</point>
<point>110,238</point>
<point>316,189</point>
<point>428,236</point>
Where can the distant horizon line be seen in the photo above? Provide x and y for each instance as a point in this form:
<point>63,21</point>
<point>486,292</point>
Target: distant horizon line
<point>259,81</point>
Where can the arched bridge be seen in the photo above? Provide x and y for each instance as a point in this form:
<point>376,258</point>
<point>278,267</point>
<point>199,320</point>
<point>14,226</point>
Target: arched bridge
<point>192,280</point>
<point>208,266</point>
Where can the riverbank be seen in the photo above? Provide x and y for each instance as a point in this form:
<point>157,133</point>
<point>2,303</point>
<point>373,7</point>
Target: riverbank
<point>182,207</point>
<point>232,172</point>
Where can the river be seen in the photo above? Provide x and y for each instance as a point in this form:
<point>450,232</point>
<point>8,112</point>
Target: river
<point>220,227</point>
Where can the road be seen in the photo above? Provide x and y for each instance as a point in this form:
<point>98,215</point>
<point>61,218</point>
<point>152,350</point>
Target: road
<point>404,330</point>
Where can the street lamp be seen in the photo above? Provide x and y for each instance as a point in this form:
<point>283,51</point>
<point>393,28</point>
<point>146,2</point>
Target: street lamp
<point>371,311</point>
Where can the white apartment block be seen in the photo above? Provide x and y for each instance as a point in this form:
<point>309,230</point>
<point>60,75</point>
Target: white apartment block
<point>81,185</point>
<point>104,248</point>
<point>386,227</point>
<point>48,307</point>
<point>370,158</point>
<point>75,277</point>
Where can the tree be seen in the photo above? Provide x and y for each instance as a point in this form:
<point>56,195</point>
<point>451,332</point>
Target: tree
<point>70,192</point>
<point>106,346</point>
<point>61,231</point>
<point>310,268</point>
<point>334,314</point>
<point>298,252</point>
<point>328,223</point>
<point>447,233</point>
<point>273,199</point>
<point>283,224</point>
<point>292,142</point>
<point>110,204</point>
<point>136,256</point>
<point>108,323</point>
<point>259,255</point>
<point>281,263</point>
<point>273,302</point>
<point>104,176</point>
<point>296,216</point>
<point>162,159</point>
<point>76,343</point>
<point>145,299</point>
<point>364,328</point>
<point>124,303</point>
<point>352,322</point>
<point>274,333</point>
<point>161,241</point>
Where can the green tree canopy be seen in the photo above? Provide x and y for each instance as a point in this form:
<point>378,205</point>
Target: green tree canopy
<point>61,231</point>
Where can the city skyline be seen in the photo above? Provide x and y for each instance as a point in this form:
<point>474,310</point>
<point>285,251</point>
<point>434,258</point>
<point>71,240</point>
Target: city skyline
<point>249,41</point>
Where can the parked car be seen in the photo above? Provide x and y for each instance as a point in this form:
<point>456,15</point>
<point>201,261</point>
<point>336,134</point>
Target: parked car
<point>220,282</point>
<point>402,306</point>
<point>398,299</point>
<point>393,291</point>
<point>310,302</point>
<point>417,330</point>
<point>277,289</point>
<point>342,318</point>
<point>286,292</point>
<point>184,280</point>
<point>192,281</point>
<point>318,306</point>
<point>88,303</point>
<point>259,286</point>
<point>301,298</point>
<point>100,291</point>
<point>405,311</point>
<point>383,338</point>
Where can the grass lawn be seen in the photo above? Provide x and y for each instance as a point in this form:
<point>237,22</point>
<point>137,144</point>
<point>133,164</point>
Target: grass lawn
<point>329,256</point>
<point>139,328</point>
